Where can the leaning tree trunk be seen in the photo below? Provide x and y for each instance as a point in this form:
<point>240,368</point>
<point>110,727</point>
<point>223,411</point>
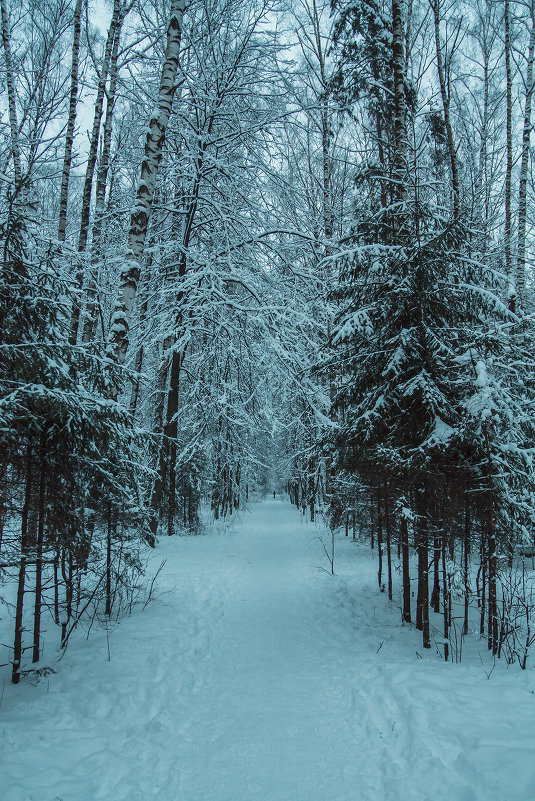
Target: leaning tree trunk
<point>69,137</point>
<point>129,278</point>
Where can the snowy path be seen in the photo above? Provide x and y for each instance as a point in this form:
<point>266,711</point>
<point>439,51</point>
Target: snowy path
<point>257,677</point>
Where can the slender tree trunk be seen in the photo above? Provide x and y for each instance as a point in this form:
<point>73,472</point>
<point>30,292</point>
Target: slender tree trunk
<point>446,110</point>
<point>17,646</point>
<point>388,544</point>
<point>56,589</point>
<point>129,278</point>
<point>423,572</point>
<point>509,152</point>
<point>11,98</point>
<point>466,568</point>
<point>379,541</point>
<point>39,557</point>
<point>90,321</point>
<point>492,620</point>
<point>113,31</point>
<point>404,542</point>
<point>445,596</point>
<point>483,571</point>
<point>400,106</point>
<point>19,628</point>
<point>311,490</point>
<point>3,500</point>
<point>435,594</point>
<point>167,453</point>
<point>107,610</point>
<point>71,122</point>
<point>524,170</point>
<point>67,573</point>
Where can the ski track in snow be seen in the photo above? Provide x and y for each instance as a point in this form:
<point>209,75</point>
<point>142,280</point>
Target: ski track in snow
<point>257,676</point>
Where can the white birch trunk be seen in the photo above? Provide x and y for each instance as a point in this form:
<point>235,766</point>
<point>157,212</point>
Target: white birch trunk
<point>12,106</point>
<point>118,338</point>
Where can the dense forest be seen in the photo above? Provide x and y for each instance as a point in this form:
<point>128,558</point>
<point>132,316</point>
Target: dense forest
<point>257,245</point>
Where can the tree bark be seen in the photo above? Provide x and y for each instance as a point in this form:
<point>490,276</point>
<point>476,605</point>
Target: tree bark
<point>524,169</point>
<point>71,122</point>
<point>113,31</point>
<point>90,321</point>
<point>17,645</point>
<point>446,111</point>
<point>404,542</point>
<point>11,99</point>
<point>388,545</point>
<point>509,151</point>
<point>466,568</point>
<point>446,600</point>
<point>39,557</point>
<point>119,334</point>
<point>400,106</point>
<point>379,541</point>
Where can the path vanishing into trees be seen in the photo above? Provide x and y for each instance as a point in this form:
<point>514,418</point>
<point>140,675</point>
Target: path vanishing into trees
<point>257,676</point>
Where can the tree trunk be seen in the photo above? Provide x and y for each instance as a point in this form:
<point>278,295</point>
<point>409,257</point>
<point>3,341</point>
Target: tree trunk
<point>107,610</point>
<point>423,581</point>
<point>69,137</point>
<point>379,542</point>
<point>17,645</point>
<point>483,570</point>
<point>446,110</point>
<point>388,545</point>
<point>466,568</point>
<point>524,170</point>
<point>404,542</point>
<point>400,111</point>
<point>446,600</point>
<point>39,557</point>
<point>129,278</point>
<point>509,152</point>
<point>113,32</point>
<point>90,322</point>
<point>11,101</point>
<point>115,24</point>
<point>67,573</point>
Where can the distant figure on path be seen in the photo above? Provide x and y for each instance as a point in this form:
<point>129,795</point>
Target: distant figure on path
<point>273,493</point>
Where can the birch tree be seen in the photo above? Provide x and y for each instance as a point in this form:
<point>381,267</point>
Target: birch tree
<point>155,138</point>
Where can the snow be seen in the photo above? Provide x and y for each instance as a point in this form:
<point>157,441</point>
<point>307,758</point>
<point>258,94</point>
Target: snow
<point>441,434</point>
<point>256,676</point>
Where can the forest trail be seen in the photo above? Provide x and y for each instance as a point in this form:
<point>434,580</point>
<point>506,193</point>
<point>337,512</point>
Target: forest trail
<point>256,676</point>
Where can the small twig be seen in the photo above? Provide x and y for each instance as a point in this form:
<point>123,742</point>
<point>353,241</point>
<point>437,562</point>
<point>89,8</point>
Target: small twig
<point>151,588</point>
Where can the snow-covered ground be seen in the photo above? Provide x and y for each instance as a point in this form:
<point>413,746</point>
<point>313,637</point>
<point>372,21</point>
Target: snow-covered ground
<point>256,676</point>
